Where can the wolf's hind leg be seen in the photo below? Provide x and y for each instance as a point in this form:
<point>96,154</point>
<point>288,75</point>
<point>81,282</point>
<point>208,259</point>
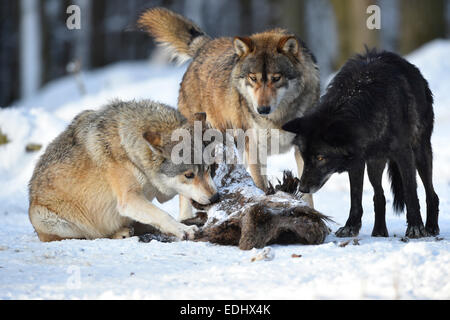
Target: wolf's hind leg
<point>44,237</point>
<point>424,164</point>
<point>300,164</point>
<point>123,233</point>
<point>50,227</point>
<point>375,170</point>
<point>406,165</point>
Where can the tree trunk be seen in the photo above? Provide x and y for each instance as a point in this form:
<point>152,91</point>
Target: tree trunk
<point>9,52</point>
<point>83,36</point>
<point>30,48</point>
<point>293,16</point>
<point>421,22</point>
<point>353,34</point>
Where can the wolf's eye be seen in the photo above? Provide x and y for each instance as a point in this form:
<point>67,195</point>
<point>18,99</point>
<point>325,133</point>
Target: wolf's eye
<point>190,175</point>
<point>320,158</point>
<point>252,77</point>
<point>276,78</point>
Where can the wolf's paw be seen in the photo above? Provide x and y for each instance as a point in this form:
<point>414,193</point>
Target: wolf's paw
<point>415,232</point>
<point>347,231</point>
<point>380,232</point>
<point>124,233</point>
<point>432,230</point>
<point>199,220</point>
<point>189,232</point>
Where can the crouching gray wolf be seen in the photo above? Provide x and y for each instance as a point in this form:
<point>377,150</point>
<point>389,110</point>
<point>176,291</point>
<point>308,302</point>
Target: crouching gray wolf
<point>258,82</point>
<point>377,109</point>
<point>100,175</point>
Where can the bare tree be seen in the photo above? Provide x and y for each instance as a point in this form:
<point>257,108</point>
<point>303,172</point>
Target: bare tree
<point>9,52</point>
<point>30,48</point>
<point>421,22</point>
<point>353,34</point>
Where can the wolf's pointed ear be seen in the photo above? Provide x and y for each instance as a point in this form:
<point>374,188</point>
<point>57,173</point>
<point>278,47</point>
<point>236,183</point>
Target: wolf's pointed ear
<point>295,126</point>
<point>289,45</point>
<point>243,46</point>
<point>154,141</point>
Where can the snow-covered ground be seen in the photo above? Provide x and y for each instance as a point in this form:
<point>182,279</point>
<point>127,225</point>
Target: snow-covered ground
<point>126,269</point>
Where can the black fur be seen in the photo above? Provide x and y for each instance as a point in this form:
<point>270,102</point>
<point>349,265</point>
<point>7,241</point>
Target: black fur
<point>377,110</point>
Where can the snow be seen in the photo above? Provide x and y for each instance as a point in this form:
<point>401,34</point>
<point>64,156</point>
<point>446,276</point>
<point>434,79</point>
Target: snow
<point>377,268</point>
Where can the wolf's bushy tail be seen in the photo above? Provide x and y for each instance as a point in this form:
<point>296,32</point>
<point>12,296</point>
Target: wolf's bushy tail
<point>396,187</point>
<point>180,36</point>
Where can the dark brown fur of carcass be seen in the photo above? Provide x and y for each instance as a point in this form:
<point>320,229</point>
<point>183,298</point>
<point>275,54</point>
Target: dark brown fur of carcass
<point>257,227</point>
<point>266,222</point>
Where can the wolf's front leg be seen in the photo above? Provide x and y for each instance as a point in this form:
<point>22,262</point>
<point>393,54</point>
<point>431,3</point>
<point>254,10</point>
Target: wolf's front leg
<point>257,176</point>
<point>186,211</point>
<point>300,164</point>
<point>141,210</point>
<point>253,163</point>
<point>353,224</point>
<point>132,203</point>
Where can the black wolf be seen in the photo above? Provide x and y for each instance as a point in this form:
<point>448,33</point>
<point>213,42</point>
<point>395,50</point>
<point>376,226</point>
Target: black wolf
<point>377,110</point>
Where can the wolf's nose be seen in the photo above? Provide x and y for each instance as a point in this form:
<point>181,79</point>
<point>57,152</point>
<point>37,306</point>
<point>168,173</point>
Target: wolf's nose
<point>214,198</point>
<point>264,110</point>
<point>303,189</point>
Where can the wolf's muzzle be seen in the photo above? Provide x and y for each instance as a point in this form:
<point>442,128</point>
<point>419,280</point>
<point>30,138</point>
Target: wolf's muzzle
<point>215,198</point>
<point>264,110</point>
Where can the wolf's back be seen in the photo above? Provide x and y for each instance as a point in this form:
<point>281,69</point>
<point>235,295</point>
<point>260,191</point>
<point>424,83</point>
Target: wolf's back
<point>180,36</point>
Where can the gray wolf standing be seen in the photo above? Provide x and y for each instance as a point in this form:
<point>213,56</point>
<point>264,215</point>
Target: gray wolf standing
<point>258,82</point>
